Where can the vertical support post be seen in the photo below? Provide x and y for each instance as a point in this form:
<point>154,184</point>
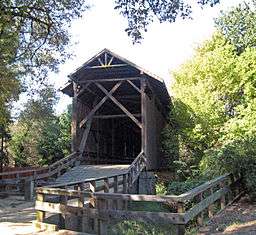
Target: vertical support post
<point>115,202</point>
<point>222,199</point>
<point>231,185</point>
<point>28,189</point>
<point>102,224</point>
<point>181,227</point>
<point>40,215</point>
<point>210,207</point>
<point>113,139</point>
<point>92,204</point>
<point>143,114</point>
<point>62,217</point>
<point>80,204</point>
<point>200,217</point>
<point>74,123</point>
<point>124,183</point>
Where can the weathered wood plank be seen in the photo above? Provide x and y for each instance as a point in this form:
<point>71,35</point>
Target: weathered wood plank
<point>194,211</point>
<point>96,107</point>
<point>194,192</point>
<point>110,79</point>
<point>129,114</point>
<point>134,86</point>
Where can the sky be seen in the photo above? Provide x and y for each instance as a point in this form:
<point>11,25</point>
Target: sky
<point>164,48</point>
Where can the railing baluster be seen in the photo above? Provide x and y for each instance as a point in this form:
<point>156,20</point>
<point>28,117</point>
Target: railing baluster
<point>40,215</point>
<point>181,227</point>
<point>210,208</point>
<point>222,199</point>
<point>200,217</point>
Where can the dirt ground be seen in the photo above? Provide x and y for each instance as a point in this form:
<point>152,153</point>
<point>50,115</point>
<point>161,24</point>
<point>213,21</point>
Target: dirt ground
<point>239,218</point>
<point>16,216</point>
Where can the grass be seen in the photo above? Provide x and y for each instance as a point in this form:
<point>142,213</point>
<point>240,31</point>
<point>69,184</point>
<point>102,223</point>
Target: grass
<point>140,228</point>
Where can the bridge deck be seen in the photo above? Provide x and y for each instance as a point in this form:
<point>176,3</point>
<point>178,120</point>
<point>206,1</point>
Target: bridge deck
<point>84,172</point>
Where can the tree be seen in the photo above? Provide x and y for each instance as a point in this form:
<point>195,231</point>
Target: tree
<point>34,121</point>
<point>34,39</point>
<point>143,12</point>
<point>34,34</point>
<point>214,109</point>
<point>39,137</point>
<point>238,25</point>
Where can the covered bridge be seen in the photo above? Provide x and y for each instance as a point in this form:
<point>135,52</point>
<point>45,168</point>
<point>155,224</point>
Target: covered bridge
<point>119,110</point>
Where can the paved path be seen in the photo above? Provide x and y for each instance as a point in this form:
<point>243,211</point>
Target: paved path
<point>237,219</point>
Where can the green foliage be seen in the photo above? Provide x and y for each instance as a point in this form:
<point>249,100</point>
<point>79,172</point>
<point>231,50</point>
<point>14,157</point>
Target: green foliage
<point>238,156</point>
<point>135,228</point>
<point>140,14</point>
<point>179,187</point>
<point>40,137</point>
<point>238,25</point>
<point>161,189</point>
<point>214,108</point>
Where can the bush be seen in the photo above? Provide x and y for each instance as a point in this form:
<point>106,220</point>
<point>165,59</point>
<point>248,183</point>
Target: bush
<point>238,156</point>
<point>178,187</point>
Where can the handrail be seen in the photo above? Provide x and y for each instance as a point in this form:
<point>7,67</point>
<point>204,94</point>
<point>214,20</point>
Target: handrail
<point>127,172</point>
<point>42,173</point>
<point>106,206</point>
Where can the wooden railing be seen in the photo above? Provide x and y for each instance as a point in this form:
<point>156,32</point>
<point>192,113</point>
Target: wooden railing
<point>95,210</point>
<point>13,178</point>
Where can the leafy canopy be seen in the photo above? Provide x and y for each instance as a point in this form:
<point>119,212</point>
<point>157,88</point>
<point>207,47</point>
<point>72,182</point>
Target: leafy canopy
<point>141,13</point>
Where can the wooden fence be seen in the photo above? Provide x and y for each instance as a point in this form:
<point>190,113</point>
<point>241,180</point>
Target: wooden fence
<point>14,179</point>
<point>91,208</point>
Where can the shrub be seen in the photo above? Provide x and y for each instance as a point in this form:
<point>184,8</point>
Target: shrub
<point>238,156</point>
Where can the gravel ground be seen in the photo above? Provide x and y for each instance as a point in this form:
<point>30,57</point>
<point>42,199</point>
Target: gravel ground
<point>239,218</point>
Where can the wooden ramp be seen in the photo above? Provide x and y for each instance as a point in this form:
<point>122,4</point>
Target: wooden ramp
<point>86,172</point>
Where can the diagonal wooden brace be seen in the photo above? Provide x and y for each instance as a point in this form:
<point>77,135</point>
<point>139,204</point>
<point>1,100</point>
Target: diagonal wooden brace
<point>100,104</point>
<point>109,95</point>
<point>134,86</point>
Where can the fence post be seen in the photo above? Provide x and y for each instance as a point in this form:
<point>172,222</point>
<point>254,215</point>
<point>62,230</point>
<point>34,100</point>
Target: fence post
<point>40,215</point>
<point>28,189</point>
<point>222,199</point>
<point>102,224</point>
<point>210,207</point>
<point>181,227</point>
<point>200,217</point>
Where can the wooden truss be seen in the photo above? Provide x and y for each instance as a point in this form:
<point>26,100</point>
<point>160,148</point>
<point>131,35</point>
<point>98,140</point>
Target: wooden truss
<point>109,95</point>
<point>105,61</point>
<point>87,121</point>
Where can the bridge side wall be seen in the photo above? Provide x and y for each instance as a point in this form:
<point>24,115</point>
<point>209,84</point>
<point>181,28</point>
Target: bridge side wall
<point>154,124</point>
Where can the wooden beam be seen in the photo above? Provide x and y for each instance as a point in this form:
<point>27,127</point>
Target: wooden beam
<point>134,86</point>
<point>110,61</point>
<point>84,88</point>
<point>99,104</point>
<point>143,115</point>
<point>119,105</point>
<point>101,63</point>
<point>110,79</point>
<point>107,66</point>
<point>115,116</point>
<point>85,136</point>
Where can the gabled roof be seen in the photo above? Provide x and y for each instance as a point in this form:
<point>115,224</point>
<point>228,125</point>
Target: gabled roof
<point>107,64</point>
<point>118,57</point>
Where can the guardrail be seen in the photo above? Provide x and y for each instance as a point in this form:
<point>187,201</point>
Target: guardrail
<point>104,208</point>
<point>15,178</point>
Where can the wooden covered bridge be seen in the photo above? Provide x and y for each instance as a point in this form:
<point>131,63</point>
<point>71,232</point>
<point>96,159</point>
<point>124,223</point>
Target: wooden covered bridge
<point>119,110</point>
